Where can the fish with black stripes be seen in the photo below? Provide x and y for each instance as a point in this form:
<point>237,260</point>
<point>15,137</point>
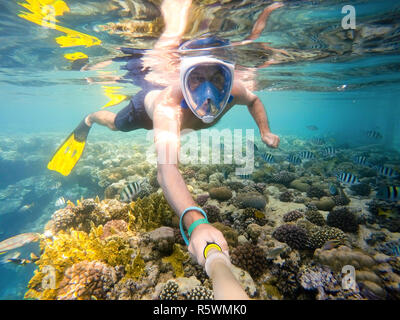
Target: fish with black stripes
<point>293,159</point>
<point>347,178</point>
<point>374,134</point>
<point>362,161</point>
<point>388,172</point>
<point>307,155</point>
<point>130,192</point>
<point>267,157</point>
<point>318,141</point>
<point>388,193</point>
<point>329,152</point>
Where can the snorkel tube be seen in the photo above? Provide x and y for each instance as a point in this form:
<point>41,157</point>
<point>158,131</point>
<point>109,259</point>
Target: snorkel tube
<point>225,285</point>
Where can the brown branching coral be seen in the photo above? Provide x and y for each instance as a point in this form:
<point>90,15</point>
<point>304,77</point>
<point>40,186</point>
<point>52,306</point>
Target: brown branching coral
<point>250,258</point>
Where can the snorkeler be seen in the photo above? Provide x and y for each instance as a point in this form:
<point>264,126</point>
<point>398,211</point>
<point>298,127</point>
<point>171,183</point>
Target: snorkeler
<point>203,90</point>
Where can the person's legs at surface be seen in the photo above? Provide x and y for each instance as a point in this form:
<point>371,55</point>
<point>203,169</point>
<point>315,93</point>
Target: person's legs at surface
<point>102,117</point>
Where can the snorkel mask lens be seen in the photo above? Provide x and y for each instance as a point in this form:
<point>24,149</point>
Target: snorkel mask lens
<point>206,86</point>
<point>206,81</point>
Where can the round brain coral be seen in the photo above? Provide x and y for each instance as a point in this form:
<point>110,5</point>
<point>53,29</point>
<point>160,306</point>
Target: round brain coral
<point>85,280</point>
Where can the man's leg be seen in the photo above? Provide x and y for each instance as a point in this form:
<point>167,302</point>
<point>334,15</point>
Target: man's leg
<point>103,118</point>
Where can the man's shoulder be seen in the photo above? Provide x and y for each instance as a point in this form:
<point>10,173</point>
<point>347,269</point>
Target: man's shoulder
<point>241,93</point>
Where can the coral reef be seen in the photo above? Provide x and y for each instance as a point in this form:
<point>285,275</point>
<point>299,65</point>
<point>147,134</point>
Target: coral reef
<point>220,193</point>
<point>86,212</point>
<point>282,226</point>
<point>325,203</point>
<point>295,236</point>
<point>337,258</point>
<point>315,192</point>
<point>250,258</point>
<point>344,219</point>
<point>318,236</point>
<point>327,285</point>
<point>200,293</point>
<point>251,200</point>
<point>150,213</point>
<point>286,278</point>
<point>292,216</point>
<point>114,227</point>
<point>361,189</point>
<point>283,177</point>
<point>213,213</point>
<point>202,199</point>
<point>286,196</point>
<point>169,291</point>
<point>86,280</point>
<point>230,235</point>
<point>341,199</point>
<point>315,217</point>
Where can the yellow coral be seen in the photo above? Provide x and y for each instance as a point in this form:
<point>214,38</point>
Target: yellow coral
<point>150,213</point>
<point>135,270</point>
<point>68,248</point>
<point>176,260</point>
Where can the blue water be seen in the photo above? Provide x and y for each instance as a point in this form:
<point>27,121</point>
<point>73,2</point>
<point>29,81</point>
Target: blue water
<point>344,92</point>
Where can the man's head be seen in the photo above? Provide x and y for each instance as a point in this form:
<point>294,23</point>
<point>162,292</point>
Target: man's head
<point>206,81</point>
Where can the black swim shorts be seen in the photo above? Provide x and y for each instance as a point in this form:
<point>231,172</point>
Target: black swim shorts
<point>134,115</point>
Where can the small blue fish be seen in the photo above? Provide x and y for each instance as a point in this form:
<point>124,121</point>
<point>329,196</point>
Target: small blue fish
<point>347,178</point>
<point>389,193</point>
<point>333,190</point>
<point>329,152</point>
<point>293,159</point>
<point>387,171</point>
<point>268,158</point>
<point>396,251</point>
<point>306,155</point>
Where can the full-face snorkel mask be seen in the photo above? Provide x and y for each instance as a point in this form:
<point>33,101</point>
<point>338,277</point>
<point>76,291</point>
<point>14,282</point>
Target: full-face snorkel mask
<point>206,81</point>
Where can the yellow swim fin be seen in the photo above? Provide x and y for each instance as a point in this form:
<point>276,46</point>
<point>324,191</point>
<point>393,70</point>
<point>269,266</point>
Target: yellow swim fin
<point>69,153</point>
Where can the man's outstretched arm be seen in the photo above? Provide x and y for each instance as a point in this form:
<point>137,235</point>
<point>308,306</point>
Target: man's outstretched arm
<point>166,120</point>
<point>257,110</point>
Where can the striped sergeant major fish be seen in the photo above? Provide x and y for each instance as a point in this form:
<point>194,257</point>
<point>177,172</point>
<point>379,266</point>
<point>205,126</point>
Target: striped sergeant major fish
<point>374,134</point>
<point>329,152</point>
<point>389,193</point>
<point>387,171</point>
<point>131,191</point>
<point>267,157</point>
<point>293,159</point>
<point>347,178</point>
<point>318,141</point>
<point>361,160</point>
<point>306,155</point>
<point>244,176</point>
